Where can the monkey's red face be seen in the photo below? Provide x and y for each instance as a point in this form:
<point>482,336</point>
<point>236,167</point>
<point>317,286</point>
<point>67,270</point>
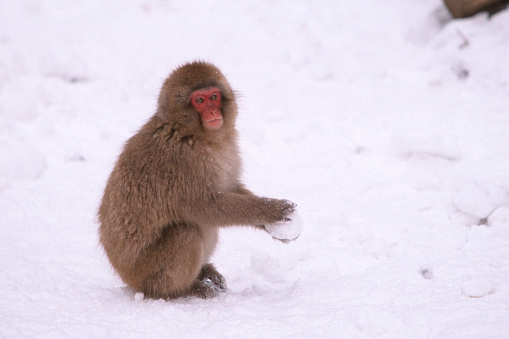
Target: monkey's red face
<point>207,102</point>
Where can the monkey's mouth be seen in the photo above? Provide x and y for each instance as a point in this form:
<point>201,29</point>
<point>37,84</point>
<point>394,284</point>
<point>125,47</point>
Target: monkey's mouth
<point>214,123</point>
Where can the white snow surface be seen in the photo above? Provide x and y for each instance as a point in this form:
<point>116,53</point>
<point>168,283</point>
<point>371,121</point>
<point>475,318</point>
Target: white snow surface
<point>387,122</point>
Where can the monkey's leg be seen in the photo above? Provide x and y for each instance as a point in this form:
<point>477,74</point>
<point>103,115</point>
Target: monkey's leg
<point>169,268</point>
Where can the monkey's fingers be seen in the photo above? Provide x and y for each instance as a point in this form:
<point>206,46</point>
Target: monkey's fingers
<point>284,208</point>
<point>290,206</point>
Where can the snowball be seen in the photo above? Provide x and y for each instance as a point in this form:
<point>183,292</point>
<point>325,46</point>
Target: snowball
<point>477,287</point>
<point>139,296</point>
<point>286,230</point>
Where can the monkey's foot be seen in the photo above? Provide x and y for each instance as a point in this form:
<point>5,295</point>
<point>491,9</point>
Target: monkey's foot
<point>204,290</point>
<point>207,288</point>
<point>210,276</point>
<point>287,230</point>
<point>217,281</point>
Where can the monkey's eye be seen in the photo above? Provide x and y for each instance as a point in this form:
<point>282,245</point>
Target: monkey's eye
<point>199,101</point>
<point>213,97</point>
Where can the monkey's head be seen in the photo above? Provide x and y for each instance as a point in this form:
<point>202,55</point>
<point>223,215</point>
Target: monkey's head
<point>197,100</point>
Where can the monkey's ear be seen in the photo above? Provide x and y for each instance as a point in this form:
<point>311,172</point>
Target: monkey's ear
<point>161,114</point>
<point>162,111</point>
<point>166,101</point>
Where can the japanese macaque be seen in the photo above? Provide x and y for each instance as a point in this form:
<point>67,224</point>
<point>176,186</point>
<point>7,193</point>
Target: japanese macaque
<point>175,183</point>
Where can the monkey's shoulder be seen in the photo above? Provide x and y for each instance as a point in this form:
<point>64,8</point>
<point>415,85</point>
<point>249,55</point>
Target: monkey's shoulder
<point>160,152</point>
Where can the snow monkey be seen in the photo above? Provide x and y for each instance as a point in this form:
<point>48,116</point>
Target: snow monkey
<point>174,184</point>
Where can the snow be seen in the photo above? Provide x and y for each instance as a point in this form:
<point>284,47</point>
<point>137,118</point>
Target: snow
<point>386,122</point>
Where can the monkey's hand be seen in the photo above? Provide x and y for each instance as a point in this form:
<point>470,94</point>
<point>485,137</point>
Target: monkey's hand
<point>286,230</point>
<point>280,208</point>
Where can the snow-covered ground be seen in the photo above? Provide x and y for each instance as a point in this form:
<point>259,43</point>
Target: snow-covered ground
<point>387,122</point>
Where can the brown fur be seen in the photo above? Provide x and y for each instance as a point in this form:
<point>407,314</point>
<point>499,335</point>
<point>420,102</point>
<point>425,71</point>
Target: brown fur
<point>173,185</point>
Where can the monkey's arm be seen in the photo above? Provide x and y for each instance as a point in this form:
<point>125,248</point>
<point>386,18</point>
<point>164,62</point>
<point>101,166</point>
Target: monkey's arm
<point>227,209</point>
